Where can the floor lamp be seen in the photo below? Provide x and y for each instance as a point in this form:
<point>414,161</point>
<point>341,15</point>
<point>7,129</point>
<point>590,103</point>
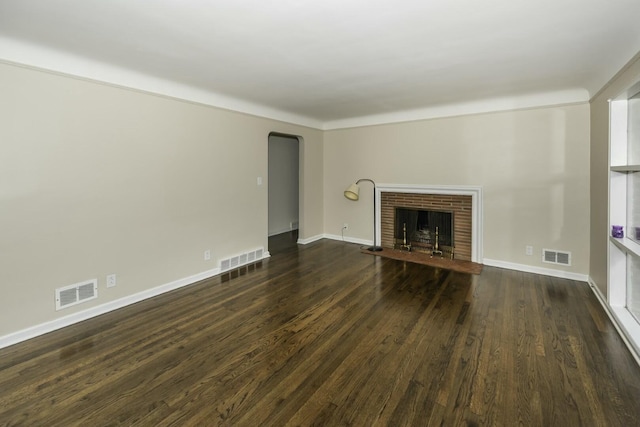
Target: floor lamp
<point>352,193</point>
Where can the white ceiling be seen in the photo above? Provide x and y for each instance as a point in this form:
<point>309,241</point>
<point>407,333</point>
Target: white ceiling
<point>333,63</point>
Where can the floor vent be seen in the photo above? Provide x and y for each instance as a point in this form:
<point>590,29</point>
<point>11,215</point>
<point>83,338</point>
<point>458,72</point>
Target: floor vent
<point>76,294</point>
<point>240,260</point>
<point>556,257</point>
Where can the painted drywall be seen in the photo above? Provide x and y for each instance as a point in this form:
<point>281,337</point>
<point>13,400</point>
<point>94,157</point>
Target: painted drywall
<point>98,180</point>
<point>533,167</point>
<point>599,228</point>
<point>283,183</point>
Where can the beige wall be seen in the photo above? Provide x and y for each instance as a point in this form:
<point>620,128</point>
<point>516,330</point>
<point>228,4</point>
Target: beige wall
<point>533,166</point>
<point>97,180</point>
<point>599,231</point>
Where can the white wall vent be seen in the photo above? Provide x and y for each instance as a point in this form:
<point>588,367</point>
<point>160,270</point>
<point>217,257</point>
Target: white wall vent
<point>556,257</point>
<point>240,260</point>
<point>75,294</point>
<point>235,261</point>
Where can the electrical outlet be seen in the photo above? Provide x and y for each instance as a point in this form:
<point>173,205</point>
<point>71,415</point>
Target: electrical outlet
<point>207,255</point>
<point>111,280</point>
<point>345,226</point>
<point>528,250</point>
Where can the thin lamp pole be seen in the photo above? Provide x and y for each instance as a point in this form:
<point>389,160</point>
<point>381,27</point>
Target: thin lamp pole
<point>374,248</point>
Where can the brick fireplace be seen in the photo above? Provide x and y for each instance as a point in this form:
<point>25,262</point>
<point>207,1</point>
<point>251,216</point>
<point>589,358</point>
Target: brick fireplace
<point>464,203</point>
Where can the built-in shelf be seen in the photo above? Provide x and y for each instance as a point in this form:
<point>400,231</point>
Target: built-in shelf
<point>626,245</point>
<point>623,290</point>
<point>627,168</point>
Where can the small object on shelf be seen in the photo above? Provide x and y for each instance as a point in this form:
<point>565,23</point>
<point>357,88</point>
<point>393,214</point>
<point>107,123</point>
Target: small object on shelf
<point>617,231</point>
<point>637,230</point>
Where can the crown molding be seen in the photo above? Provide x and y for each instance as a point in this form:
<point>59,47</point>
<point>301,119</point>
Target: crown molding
<point>491,105</point>
<point>23,54</point>
<point>39,58</point>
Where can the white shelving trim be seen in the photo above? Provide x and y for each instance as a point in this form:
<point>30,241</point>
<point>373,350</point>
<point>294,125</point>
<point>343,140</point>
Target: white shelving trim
<point>620,249</point>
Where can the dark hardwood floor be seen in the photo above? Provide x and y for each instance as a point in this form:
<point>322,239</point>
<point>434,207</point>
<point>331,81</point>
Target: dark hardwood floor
<point>325,335</point>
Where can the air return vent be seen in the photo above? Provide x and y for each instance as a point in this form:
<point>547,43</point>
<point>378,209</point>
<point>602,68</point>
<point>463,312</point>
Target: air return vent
<point>75,294</point>
<point>240,260</point>
<point>556,257</point>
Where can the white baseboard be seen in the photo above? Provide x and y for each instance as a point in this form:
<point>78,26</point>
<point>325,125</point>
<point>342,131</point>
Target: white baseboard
<point>334,237</point>
<point>348,239</point>
<point>537,270</point>
<point>43,328</point>
<point>490,262</point>
<point>310,239</point>
<point>596,290</point>
<point>607,309</point>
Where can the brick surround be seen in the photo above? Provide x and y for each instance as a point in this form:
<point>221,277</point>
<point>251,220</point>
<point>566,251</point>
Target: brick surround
<point>459,205</point>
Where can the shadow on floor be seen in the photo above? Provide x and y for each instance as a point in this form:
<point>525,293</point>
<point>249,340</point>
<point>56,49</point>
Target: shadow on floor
<point>282,242</point>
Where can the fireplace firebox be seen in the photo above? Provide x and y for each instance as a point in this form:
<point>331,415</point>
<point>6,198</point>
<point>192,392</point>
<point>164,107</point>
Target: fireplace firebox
<point>424,230</point>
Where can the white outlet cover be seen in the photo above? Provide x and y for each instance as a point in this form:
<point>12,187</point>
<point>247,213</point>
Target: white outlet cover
<point>111,280</point>
<point>207,255</point>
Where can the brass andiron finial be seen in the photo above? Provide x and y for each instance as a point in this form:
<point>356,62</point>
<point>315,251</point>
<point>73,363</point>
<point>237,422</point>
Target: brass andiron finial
<point>436,249</point>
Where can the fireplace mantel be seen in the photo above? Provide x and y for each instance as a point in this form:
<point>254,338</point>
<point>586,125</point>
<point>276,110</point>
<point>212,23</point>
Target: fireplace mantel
<point>476,208</point>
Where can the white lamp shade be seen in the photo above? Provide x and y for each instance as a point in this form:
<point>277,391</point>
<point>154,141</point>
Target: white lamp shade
<point>352,192</point>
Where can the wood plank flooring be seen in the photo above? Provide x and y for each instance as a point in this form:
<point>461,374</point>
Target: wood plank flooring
<point>325,335</point>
